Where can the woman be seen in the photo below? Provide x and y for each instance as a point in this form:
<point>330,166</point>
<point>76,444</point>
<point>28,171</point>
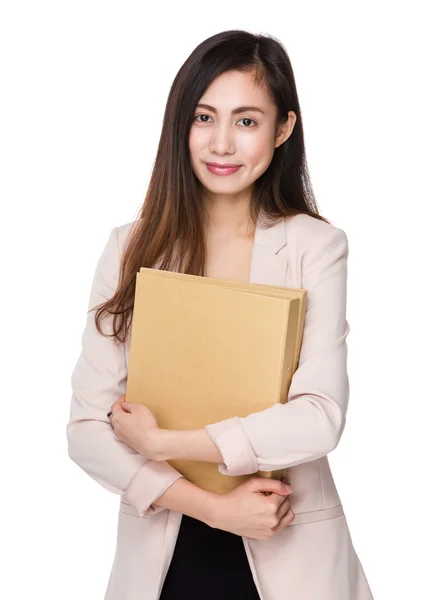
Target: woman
<point>253,218</point>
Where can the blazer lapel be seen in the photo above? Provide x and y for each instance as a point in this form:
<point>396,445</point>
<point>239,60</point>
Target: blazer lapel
<point>268,267</point>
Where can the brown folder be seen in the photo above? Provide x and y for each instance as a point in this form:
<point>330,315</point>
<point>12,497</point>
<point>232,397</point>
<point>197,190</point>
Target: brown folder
<point>203,350</point>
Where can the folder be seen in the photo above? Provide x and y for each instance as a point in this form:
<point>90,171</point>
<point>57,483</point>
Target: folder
<point>203,350</point>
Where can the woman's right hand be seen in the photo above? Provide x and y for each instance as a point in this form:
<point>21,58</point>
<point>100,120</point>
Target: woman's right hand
<point>247,511</point>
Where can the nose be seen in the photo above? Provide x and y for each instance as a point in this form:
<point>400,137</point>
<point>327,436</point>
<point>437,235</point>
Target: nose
<point>222,140</point>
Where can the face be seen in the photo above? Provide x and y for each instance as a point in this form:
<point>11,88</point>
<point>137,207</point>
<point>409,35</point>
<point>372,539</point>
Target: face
<point>224,135</point>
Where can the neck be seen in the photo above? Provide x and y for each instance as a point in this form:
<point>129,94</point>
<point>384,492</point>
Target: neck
<point>228,216</point>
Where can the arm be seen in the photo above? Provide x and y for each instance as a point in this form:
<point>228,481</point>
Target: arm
<point>98,379</point>
<point>189,499</point>
<point>310,425</point>
<point>187,444</point>
<point>196,444</point>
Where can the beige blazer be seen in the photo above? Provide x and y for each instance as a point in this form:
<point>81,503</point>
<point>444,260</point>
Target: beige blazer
<point>313,558</point>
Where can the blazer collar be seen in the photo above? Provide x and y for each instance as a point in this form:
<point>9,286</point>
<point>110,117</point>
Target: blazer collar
<point>267,266</point>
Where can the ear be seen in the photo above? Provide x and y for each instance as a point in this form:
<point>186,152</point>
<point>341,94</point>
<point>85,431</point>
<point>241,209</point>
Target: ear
<point>285,129</point>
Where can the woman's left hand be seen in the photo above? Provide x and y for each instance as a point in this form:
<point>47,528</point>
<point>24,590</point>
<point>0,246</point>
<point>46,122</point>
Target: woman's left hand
<point>135,425</point>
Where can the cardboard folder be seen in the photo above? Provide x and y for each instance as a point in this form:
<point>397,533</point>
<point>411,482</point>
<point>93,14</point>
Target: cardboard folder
<point>203,350</point>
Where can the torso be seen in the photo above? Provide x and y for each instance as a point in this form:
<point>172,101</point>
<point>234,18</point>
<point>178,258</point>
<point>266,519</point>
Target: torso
<point>230,260</point>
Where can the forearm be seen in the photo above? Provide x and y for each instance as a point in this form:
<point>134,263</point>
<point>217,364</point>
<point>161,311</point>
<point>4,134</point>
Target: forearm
<point>191,444</point>
<point>189,499</point>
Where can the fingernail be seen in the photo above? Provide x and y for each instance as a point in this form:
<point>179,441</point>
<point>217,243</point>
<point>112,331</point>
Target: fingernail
<point>289,488</point>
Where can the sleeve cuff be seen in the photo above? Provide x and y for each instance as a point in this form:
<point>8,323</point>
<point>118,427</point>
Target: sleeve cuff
<point>149,483</point>
<point>235,447</point>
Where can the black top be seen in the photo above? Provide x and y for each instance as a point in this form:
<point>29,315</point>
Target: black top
<point>208,563</point>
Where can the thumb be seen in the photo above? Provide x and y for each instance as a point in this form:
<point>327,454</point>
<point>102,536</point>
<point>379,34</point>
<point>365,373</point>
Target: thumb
<point>271,485</point>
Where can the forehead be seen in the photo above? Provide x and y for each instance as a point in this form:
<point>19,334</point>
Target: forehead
<point>236,88</point>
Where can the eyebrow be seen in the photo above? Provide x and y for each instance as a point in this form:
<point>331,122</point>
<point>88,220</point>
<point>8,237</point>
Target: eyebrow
<point>236,111</point>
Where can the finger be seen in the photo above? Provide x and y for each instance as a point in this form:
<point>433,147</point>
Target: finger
<point>114,407</point>
<point>285,520</point>
<point>117,408</point>
<point>277,499</point>
<point>283,509</point>
<point>113,412</point>
<point>119,401</point>
<point>265,485</point>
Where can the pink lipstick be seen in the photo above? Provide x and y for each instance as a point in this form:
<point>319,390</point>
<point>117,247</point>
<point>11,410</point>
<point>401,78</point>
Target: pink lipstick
<point>226,169</point>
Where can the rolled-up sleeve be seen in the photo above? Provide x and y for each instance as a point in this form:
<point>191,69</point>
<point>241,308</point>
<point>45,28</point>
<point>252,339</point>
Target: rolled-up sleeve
<point>99,378</point>
<point>311,423</point>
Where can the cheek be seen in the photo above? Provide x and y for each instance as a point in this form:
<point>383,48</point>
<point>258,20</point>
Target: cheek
<point>196,145</point>
<point>191,145</point>
<point>192,138</point>
<point>258,150</point>
<point>197,138</point>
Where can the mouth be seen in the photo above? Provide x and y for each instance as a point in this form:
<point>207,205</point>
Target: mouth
<point>222,169</point>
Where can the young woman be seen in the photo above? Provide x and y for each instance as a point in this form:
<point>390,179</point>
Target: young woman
<point>230,198</point>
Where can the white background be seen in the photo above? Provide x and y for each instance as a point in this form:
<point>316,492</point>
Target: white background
<point>84,89</point>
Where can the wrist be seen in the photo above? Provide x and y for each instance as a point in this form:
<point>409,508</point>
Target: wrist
<point>212,509</point>
<point>157,446</point>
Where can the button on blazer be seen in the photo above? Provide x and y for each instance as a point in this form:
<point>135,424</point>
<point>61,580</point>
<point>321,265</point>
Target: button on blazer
<point>313,558</point>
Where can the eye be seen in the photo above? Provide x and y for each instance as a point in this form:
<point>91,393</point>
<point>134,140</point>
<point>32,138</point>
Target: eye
<point>199,120</point>
<point>248,119</point>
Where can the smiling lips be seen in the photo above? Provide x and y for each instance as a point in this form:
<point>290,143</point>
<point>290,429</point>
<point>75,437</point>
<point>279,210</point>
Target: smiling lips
<point>226,169</point>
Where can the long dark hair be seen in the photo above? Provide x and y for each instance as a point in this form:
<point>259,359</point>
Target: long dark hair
<point>170,229</point>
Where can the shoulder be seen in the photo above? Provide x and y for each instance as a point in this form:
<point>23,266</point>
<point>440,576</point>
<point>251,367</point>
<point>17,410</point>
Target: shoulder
<point>122,233</point>
<point>311,228</point>
<point>108,264</point>
<point>309,231</point>
<point>315,242</point>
